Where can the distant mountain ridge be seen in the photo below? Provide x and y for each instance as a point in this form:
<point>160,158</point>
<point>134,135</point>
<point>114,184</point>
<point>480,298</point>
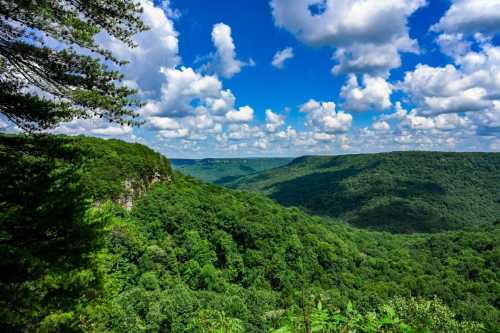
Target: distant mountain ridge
<point>398,191</point>
<point>223,170</point>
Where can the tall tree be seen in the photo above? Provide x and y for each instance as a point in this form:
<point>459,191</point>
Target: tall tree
<point>42,85</point>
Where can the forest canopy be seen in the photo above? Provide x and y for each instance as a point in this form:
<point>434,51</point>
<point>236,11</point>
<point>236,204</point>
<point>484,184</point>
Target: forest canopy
<point>399,192</point>
<point>193,257</point>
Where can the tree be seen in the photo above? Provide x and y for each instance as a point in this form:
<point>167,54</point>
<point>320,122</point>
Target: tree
<point>46,234</point>
<point>42,85</point>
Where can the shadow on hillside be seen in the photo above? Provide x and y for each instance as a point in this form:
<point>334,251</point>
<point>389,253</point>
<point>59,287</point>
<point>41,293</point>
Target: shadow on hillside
<point>396,205</point>
<point>402,216</point>
<point>226,179</point>
<point>316,191</point>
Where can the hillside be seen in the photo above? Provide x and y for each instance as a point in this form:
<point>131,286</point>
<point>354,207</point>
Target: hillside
<point>194,257</point>
<point>222,170</point>
<point>401,192</point>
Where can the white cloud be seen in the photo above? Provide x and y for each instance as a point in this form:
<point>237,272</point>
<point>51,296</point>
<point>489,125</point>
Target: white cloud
<point>286,135</point>
<point>472,84</point>
<point>323,137</point>
<point>368,35</point>
<point>453,45</point>
<point>375,95</point>
<point>112,130</point>
<point>310,105</point>
<point>190,112</point>
<point>262,144</point>
<point>238,132</point>
<point>162,123</point>
<point>488,122</point>
<point>156,48</point>
<point>381,125</point>
<point>174,134</point>
<point>281,56</point>
<point>273,121</point>
<point>95,127</point>
<point>322,117</point>
<point>182,89</point>
<point>223,103</point>
<point>368,58</point>
<point>451,121</point>
<point>418,122</point>
<point>244,115</point>
<point>471,16</point>
<point>399,114</point>
<point>225,62</point>
<point>202,121</point>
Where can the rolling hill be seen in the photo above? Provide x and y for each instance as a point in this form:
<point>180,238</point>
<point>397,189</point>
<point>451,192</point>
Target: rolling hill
<point>222,170</point>
<point>193,257</point>
<point>401,192</point>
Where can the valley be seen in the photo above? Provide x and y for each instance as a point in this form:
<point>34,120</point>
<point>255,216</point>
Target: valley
<point>189,254</point>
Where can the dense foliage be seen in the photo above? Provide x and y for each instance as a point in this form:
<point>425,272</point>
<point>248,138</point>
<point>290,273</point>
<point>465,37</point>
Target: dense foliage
<point>223,170</point>
<point>47,230</point>
<point>193,257</point>
<point>425,316</point>
<point>398,192</point>
<point>51,67</point>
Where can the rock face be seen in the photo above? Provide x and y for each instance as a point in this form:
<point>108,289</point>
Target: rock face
<point>133,188</point>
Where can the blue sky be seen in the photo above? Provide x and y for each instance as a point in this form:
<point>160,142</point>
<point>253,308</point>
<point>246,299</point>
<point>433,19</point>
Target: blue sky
<point>348,76</point>
<point>305,76</point>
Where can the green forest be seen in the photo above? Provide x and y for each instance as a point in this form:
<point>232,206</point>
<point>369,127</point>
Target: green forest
<point>224,170</point>
<point>194,257</point>
<point>108,236</point>
<point>399,192</point>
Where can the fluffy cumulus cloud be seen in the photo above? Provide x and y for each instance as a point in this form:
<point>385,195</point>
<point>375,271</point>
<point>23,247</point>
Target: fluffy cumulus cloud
<point>274,121</point>
<point>381,125</point>
<point>95,127</point>
<point>373,95</point>
<point>471,84</point>
<point>162,123</point>
<point>470,17</point>
<point>224,60</point>
<point>156,48</point>
<point>189,112</point>
<point>458,101</point>
<point>281,56</point>
<point>488,122</point>
<point>368,35</point>
<point>408,130</point>
<point>442,122</point>
<point>323,117</point>
<point>243,115</point>
<point>183,90</point>
<point>193,107</point>
<point>367,58</point>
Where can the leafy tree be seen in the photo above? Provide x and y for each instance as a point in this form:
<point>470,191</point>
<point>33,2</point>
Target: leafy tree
<point>41,85</point>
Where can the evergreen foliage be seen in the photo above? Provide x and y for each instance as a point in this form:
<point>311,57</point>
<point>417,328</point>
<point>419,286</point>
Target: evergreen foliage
<point>42,85</point>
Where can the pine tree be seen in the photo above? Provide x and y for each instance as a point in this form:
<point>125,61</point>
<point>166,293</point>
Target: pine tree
<point>42,85</point>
